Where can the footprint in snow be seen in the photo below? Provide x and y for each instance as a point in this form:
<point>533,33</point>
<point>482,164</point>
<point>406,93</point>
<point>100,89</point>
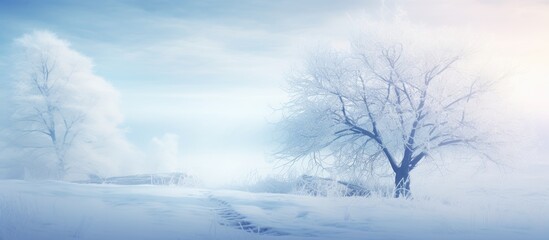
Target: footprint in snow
<point>231,218</point>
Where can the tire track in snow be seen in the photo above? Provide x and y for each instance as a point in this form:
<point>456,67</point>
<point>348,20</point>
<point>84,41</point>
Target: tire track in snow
<point>231,218</point>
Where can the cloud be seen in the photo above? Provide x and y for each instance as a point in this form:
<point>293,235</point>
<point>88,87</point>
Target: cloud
<point>165,153</point>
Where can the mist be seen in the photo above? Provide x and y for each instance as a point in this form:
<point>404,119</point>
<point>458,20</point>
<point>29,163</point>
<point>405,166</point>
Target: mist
<point>221,93</point>
<point>237,105</point>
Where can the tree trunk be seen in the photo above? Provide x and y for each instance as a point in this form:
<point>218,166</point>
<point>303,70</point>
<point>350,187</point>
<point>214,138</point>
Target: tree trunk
<point>61,167</point>
<point>61,170</point>
<point>402,183</point>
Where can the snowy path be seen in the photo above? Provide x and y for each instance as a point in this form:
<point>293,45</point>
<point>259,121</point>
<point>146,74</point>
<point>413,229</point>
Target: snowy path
<point>232,218</point>
<point>55,210</point>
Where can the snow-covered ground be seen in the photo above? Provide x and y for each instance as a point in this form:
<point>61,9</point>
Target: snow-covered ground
<point>60,210</point>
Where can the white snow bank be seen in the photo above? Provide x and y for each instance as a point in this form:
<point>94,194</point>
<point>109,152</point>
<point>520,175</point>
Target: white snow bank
<point>56,210</point>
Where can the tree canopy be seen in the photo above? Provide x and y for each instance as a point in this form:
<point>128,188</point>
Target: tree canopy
<point>396,96</point>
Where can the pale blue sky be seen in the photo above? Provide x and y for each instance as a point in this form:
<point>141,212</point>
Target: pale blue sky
<point>179,64</point>
<point>207,71</point>
<point>211,71</point>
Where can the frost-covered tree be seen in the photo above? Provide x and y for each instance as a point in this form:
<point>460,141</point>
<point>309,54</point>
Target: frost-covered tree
<point>396,96</point>
<point>65,119</point>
